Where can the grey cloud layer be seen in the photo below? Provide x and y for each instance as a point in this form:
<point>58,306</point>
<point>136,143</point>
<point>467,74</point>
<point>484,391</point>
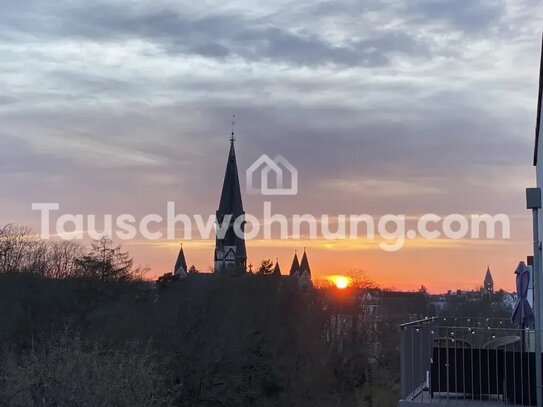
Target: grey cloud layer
<point>466,15</point>
<point>219,35</point>
<point>214,36</point>
<point>130,101</point>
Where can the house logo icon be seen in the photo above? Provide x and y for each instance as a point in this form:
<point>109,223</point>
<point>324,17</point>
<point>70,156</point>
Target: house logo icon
<point>277,176</point>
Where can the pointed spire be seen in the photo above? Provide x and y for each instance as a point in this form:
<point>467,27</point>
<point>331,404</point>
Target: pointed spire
<point>277,269</point>
<point>295,264</point>
<point>230,202</point>
<point>488,276</point>
<point>181,263</point>
<point>304,264</point>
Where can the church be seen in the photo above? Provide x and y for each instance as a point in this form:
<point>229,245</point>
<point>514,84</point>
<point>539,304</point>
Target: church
<point>230,254</point>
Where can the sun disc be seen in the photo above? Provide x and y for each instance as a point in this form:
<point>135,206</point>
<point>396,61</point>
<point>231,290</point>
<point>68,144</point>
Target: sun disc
<point>342,282</point>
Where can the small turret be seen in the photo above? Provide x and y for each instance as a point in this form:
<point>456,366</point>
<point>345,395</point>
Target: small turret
<point>181,264</point>
<point>304,265</point>
<point>277,269</point>
<point>295,267</point>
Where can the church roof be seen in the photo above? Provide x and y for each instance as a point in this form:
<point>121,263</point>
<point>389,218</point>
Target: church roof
<point>304,265</point>
<point>181,262</point>
<point>488,276</point>
<point>539,106</point>
<point>231,202</point>
<point>295,265</point>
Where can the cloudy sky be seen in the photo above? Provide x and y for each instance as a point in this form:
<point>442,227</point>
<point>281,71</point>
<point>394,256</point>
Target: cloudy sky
<point>384,106</point>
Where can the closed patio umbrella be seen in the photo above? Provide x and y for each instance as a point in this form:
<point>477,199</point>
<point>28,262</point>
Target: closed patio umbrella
<point>523,315</point>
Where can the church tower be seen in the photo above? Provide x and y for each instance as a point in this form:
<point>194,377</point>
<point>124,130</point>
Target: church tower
<point>230,251</point>
<point>489,282</point>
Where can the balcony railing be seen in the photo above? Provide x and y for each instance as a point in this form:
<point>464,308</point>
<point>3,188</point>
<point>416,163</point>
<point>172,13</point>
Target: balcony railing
<point>467,361</point>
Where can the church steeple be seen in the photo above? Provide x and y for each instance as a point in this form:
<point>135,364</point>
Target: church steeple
<point>230,250</point>
<point>230,202</point>
<point>489,281</point>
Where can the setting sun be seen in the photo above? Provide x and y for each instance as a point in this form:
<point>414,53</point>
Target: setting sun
<point>341,282</point>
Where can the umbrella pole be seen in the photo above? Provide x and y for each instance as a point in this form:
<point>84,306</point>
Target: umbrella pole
<point>537,308</point>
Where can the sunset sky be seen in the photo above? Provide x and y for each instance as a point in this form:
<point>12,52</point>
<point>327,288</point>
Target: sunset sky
<point>384,106</point>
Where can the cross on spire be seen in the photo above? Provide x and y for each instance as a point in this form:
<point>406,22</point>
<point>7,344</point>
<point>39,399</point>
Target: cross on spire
<point>232,137</point>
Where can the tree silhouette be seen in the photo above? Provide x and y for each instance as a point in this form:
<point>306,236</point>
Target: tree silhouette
<point>266,267</point>
<point>106,261</point>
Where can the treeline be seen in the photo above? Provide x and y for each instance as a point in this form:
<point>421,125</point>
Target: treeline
<point>23,251</point>
<point>51,293</point>
<point>79,327</point>
<point>200,342</point>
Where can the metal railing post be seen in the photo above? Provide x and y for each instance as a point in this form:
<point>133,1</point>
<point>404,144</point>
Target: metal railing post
<point>403,377</point>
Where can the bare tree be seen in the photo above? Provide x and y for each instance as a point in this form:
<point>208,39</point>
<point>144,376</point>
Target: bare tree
<point>62,259</point>
<point>15,242</point>
<point>71,373</point>
<point>36,256</point>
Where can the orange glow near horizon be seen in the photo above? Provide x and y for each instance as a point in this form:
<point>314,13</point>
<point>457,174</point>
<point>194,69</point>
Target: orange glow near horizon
<point>439,266</point>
